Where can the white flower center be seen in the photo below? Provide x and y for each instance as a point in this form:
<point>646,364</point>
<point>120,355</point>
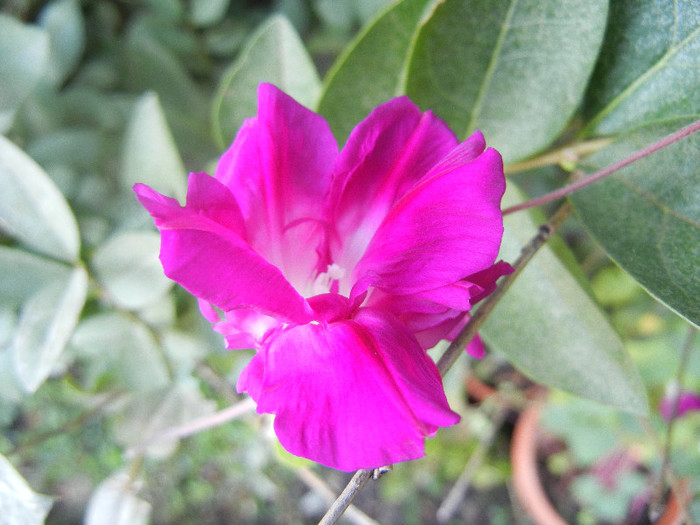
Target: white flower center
<point>327,281</point>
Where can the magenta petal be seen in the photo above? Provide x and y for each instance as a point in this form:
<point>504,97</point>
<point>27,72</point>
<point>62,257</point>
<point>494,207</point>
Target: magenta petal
<point>201,248</point>
<point>475,347</point>
<point>486,279</point>
<point>687,402</point>
<point>279,169</point>
<point>432,315</point>
<point>352,394</point>
<point>447,227</point>
<point>385,156</point>
<point>245,328</point>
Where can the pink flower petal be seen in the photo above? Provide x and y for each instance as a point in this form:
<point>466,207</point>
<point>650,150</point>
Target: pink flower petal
<point>385,156</point>
<point>687,401</point>
<point>202,249</point>
<point>446,228</point>
<point>475,347</point>
<point>279,169</point>
<point>352,394</point>
<point>245,328</point>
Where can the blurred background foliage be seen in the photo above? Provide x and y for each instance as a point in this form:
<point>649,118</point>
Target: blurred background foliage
<point>100,352</point>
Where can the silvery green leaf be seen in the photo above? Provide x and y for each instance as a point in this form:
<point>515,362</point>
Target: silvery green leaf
<point>45,325</point>
<point>63,21</point>
<point>19,504</point>
<point>22,274</point>
<point>274,54</point>
<point>116,502</point>
<point>150,155</point>
<point>123,348</point>
<point>32,209</point>
<point>128,267</point>
<point>146,421</point>
<point>25,51</point>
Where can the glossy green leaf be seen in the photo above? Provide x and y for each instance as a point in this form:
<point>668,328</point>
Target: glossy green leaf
<point>19,503</point>
<point>32,209</point>
<point>128,267</point>
<point>274,54</point>
<point>122,349</point>
<point>514,69</point>
<point>116,502</point>
<point>647,216</point>
<point>649,68</point>
<point>64,24</point>
<point>362,78</point>
<point>46,324</point>
<point>150,155</point>
<point>549,327</point>
<point>25,51</point>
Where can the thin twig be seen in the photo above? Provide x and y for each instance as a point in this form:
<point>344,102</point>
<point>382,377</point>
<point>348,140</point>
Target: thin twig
<point>472,327</point>
<point>448,358</point>
<point>656,503</point>
<point>461,486</point>
<point>66,427</point>
<point>197,425</point>
<point>570,153</point>
<point>358,481</point>
<point>571,188</point>
<point>321,488</point>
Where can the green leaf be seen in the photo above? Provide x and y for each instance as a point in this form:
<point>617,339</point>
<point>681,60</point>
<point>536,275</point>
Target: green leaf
<point>116,502</point>
<point>45,325</point>
<point>516,70</point>
<point>64,24</point>
<point>153,413</point>
<point>128,267</point>
<point>341,16</point>
<point>150,154</point>
<point>649,67</point>
<point>121,348</point>
<point>19,503</point>
<point>32,209</point>
<point>362,78</point>
<point>22,274</point>
<point>206,13</point>
<point>549,327</point>
<point>274,54</point>
<point>10,390</point>
<point>148,65</point>
<point>25,51</point>
<point>647,216</point>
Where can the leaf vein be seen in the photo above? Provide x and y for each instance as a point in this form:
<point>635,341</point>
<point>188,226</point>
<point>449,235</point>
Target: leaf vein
<point>491,68</point>
<point>650,72</point>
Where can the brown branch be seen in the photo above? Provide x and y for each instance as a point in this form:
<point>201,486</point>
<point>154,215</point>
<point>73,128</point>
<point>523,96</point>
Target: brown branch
<point>459,490</point>
<point>356,484</point>
<point>570,153</point>
<point>546,230</point>
<point>472,327</point>
<point>320,487</point>
<point>666,472</point>
<point>571,188</point>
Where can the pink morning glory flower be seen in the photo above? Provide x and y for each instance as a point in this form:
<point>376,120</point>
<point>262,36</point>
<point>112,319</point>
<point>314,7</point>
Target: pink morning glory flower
<point>340,269</point>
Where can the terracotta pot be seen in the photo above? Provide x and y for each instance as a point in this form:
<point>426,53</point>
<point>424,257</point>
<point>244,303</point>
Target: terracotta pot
<point>528,486</point>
